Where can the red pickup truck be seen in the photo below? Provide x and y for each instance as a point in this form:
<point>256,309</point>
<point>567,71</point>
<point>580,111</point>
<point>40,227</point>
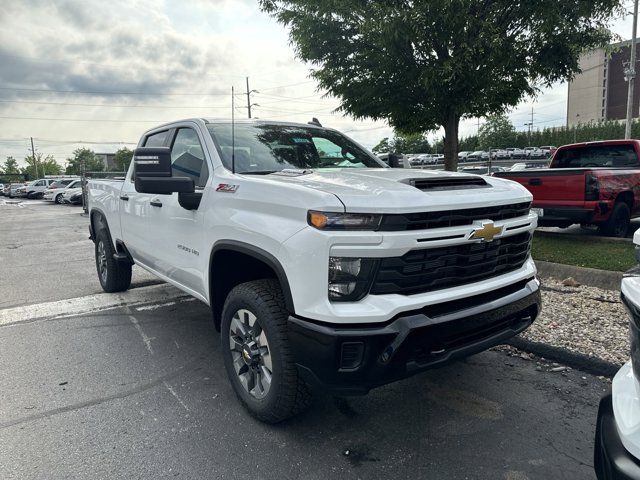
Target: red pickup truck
<point>593,183</point>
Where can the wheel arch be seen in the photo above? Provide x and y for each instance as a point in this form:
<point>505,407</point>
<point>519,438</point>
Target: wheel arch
<point>626,197</point>
<point>242,256</point>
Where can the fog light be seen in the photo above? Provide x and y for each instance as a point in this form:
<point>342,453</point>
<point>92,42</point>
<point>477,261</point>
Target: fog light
<point>350,278</point>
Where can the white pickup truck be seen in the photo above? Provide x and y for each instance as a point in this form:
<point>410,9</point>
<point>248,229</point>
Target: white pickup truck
<point>322,267</point>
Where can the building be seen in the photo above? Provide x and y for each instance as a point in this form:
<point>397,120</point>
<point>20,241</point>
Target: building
<point>600,91</point>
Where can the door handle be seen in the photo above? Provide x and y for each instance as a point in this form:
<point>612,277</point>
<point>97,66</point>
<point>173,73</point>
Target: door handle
<point>155,203</point>
<point>535,181</point>
<point>124,197</point>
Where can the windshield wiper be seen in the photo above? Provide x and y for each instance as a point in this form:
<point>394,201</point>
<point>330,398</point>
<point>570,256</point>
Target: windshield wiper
<point>258,172</point>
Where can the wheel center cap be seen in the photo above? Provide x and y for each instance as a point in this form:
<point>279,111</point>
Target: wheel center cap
<point>250,353</point>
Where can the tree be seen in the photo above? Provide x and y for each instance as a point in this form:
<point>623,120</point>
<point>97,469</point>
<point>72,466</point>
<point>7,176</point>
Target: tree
<point>497,132</point>
<point>426,64</point>
<point>10,166</point>
<point>83,159</point>
<point>412,143</point>
<point>43,165</point>
<point>122,159</point>
<point>383,146</point>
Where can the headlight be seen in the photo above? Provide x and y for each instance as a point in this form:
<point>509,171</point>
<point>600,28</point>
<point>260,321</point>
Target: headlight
<point>343,221</point>
<point>350,278</point>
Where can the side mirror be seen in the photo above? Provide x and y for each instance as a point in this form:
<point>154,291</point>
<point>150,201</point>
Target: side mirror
<point>394,161</point>
<point>152,172</point>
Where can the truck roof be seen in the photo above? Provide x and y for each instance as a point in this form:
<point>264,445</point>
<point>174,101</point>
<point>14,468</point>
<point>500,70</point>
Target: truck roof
<point>599,142</point>
<point>244,121</point>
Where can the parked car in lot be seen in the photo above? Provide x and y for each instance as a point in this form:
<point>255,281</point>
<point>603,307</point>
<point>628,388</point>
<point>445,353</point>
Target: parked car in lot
<point>515,153</point>
<point>36,188</point>
<point>73,195</point>
<point>548,150</point>
<point>1,189</point>
<point>534,152</point>
<point>617,443</point>
<point>462,156</point>
<point>331,272</point>
<point>476,156</point>
<point>500,154</point>
<point>16,190</point>
<point>481,170</point>
<point>587,183</point>
<point>56,190</point>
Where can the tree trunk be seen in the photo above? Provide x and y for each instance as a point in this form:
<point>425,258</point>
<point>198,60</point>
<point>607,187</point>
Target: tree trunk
<point>451,142</point>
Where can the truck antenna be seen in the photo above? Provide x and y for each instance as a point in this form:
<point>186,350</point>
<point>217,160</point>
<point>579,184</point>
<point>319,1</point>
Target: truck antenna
<point>233,133</point>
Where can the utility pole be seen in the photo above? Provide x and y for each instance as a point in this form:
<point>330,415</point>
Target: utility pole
<point>33,156</point>
<point>248,98</point>
<point>630,72</point>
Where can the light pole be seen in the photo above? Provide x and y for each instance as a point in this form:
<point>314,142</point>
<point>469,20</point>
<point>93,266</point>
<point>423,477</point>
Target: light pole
<point>630,72</point>
<point>575,128</point>
<point>530,124</point>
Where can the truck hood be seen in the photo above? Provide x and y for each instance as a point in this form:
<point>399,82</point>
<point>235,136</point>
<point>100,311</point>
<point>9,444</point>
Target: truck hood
<point>388,190</point>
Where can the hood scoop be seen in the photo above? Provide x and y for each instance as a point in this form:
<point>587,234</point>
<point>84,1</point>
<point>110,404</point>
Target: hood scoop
<point>447,183</point>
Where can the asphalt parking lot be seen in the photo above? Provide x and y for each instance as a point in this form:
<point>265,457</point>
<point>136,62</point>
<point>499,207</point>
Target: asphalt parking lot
<point>132,386</point>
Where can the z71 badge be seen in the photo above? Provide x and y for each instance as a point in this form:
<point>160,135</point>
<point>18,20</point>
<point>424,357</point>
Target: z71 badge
<point>226,188</point>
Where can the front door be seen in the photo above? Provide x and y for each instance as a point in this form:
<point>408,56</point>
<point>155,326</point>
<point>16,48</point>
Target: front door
<point>178,231</point>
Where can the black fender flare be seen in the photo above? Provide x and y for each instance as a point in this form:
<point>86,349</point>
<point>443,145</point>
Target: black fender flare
<point>258,254</point>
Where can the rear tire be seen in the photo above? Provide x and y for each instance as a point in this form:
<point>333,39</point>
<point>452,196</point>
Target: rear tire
<point>618,223</point>
<point>114,276</point>
<point>253,338</point>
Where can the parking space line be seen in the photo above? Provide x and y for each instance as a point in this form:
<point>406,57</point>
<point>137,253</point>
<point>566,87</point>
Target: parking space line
<point>89,304</point>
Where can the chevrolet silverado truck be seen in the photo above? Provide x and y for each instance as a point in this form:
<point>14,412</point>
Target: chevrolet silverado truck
<point>594,183</point>
<point>323,268</point>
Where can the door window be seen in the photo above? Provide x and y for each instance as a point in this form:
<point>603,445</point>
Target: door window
<point>156,140</point>
<point>187,157</point>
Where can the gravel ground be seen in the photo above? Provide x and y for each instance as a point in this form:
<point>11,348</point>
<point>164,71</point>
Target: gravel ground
<point>586,320</point>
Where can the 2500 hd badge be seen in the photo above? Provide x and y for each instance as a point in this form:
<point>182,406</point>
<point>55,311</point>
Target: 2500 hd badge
<point>325,269</point>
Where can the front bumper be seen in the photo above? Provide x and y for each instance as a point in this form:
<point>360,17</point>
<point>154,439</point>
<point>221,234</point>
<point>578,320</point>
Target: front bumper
<point>353,359</point>
<point>565,216</point>
<point>611,460</point>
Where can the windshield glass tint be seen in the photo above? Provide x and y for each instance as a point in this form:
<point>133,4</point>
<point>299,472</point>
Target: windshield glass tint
<point>597,156</point>
<point>271,148</point>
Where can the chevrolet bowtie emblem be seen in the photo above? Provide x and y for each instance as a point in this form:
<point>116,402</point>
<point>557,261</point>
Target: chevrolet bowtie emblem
<point>486,233</point>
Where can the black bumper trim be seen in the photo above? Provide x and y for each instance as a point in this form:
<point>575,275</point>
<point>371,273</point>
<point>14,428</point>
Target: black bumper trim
<point>409,344</point>
<point>565,216</point>
<point>611,460</point>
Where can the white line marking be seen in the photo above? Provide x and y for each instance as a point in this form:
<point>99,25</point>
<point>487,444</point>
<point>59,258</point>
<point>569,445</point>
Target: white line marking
<point>153,307</point>
<point>145,339</point>
<point>175,395</point>
<point>88,304</point>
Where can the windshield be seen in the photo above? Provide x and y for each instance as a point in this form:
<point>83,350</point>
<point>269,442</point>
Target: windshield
<point>597,156</point>
<point>271,148</point>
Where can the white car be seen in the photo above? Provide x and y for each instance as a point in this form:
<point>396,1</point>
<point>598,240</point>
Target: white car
<point>36,188</point>
<point>56,189</point>
<point>617,445</point>
<point>323,267</point>
<point>72,195</point>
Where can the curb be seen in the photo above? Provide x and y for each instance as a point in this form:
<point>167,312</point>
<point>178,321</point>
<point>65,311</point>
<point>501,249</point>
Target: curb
<point>577,361</point>
<point>586,276</point>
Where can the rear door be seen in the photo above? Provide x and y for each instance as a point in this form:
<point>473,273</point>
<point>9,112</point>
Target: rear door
<point>179,242</point>
<point>135,209</point>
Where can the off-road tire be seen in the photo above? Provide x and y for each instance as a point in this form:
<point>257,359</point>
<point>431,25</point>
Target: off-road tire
<point>288,394</point>
<point>618,223</point>
<point>116,276</point>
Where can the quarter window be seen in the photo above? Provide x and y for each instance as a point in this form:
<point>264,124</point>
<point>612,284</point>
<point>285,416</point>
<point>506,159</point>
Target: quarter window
<point>156,140</point>
<point>187,157</point>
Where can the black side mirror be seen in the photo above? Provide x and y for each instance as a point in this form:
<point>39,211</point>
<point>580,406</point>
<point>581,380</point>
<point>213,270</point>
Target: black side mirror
<point>152,172</point>
<point>394,160</point>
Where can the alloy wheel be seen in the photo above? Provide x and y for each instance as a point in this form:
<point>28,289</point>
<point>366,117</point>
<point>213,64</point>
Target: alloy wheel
<point>102,261</point>
<point>250,353</point>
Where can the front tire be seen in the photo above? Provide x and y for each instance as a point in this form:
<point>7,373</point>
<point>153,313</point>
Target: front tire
<point>256,352</point>
<point>58,199</point>
<point>114,276</point>
<point>618,223</point>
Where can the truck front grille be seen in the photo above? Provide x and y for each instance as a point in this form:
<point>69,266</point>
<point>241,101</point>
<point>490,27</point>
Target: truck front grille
<point>452,218</point>
<point>431,269</point>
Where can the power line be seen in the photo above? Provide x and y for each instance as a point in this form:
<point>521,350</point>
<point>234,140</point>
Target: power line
<point>110,106</point>
<point>47,90</point>
<point>86,119</point>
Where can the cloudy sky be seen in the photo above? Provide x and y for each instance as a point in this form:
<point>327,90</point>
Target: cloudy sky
<point>94,73</point>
